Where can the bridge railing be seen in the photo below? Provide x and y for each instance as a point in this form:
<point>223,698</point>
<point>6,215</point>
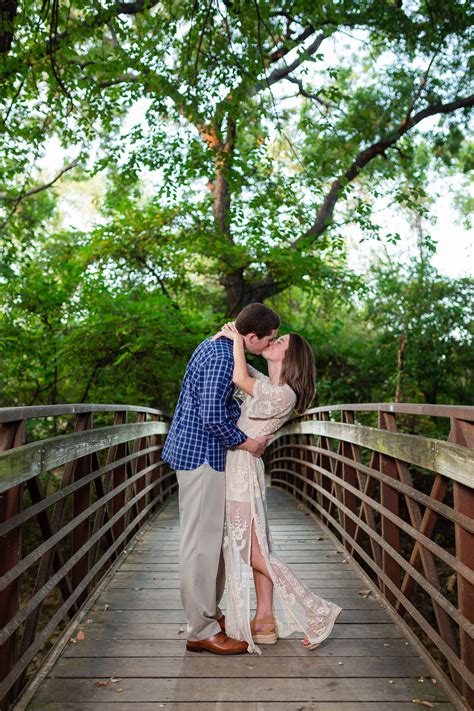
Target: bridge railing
<point>402,505</point>
<point>70,502</point>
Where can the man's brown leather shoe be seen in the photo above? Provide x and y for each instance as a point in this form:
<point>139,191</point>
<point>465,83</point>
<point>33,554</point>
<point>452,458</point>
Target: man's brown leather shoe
<point>221,622</point>
<point>220,643</point>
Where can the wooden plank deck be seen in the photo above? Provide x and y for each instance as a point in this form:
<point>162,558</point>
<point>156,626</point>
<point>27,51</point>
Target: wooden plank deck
<point>133,655</point>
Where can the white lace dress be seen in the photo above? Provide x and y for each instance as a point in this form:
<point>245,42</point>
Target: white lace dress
<point>295,607</point>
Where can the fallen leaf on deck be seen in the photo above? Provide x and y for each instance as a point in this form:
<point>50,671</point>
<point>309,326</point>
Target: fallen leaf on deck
<point>89,622</point>
<point>422,702</point>
<point>421,679</point>
<point>434,681</point>
<point>106,607</point>
<point>365,593</point>
<point>80,636</point>
<point>115,679</point>
<point>181,630</point>
<point>102,683</point>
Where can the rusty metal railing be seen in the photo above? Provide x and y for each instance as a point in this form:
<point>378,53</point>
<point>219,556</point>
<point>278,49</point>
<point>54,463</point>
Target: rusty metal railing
<point>402,505</point>
<point>69,504</point>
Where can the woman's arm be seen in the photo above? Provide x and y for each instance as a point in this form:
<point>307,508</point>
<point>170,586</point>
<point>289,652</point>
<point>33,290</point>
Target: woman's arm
<point>240,375</point>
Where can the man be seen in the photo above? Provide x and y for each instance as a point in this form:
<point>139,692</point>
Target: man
<point>203,429</point>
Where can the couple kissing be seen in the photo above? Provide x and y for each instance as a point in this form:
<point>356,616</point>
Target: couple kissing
<point>216,445</point>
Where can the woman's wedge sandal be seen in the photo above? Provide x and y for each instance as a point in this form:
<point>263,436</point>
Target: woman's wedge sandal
<point>268,634</point>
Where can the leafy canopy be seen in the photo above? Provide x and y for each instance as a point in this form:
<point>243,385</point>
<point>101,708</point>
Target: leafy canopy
<point>268,127</point>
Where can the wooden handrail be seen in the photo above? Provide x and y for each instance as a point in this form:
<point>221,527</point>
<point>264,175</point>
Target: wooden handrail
<point>19,465</point>
<point>13,414</point>
<point>359,481</point>
<point>107,481</point>
<point>451,460</point>
<point>460,412</point>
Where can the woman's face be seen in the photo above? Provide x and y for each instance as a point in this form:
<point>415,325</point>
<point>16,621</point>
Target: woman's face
<point>277,349</point>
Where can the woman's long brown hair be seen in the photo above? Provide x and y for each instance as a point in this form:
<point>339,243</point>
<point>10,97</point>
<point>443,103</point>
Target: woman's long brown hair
<point>299,371</point>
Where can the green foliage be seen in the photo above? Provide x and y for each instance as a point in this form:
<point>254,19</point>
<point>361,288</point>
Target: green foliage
<point>435,316</point>
<point>84,320</point>
<point>356,338</point>
<point>236,142</point>
<point>211,82</point>
<point>70,332</point>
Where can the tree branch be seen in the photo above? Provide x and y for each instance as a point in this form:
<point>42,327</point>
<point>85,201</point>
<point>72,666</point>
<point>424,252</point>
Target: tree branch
<point>121,79</point>
<point>144,262</point>
<point>39,188</point>
<point>133,8</point>
<point>8,10</point>
<point>283,72</point>
<point>420,89</point>
<point>23,195</point>
<point>307,94</point>
<point>102,18</point>
<point>277,74</point>
<point>284,50</point>
<point>325,213</point>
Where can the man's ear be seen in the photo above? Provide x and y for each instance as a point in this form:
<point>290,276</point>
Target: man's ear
<point>249,339</point>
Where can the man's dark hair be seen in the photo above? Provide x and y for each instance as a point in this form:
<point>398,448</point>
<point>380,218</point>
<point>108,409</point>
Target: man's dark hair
<point>257,318</point>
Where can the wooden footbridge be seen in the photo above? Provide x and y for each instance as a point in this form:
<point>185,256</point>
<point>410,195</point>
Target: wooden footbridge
<point>372,505</point>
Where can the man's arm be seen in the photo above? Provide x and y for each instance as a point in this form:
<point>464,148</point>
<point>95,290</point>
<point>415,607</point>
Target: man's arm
<point>256,446</point>
<point>215,413</point>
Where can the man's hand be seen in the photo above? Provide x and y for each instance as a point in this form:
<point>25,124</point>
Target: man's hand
<point>256,446</point>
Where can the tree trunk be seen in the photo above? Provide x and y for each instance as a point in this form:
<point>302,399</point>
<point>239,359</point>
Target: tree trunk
<point>400,362</point>
<point>240,292</point>
<point>8,9</point>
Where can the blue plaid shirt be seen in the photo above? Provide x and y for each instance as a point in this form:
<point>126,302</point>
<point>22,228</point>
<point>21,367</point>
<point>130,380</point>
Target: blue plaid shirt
<point>204,422</point>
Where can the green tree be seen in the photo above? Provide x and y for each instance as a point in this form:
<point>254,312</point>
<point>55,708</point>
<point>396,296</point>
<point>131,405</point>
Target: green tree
<point>70,331</point>
<point>434,315</point>
<point>213,80</point>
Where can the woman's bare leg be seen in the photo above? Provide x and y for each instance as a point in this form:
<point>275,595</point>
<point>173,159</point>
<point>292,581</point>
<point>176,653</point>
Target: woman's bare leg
<point>263,584</point>
<point>264,592</point>
<point>262,579</point>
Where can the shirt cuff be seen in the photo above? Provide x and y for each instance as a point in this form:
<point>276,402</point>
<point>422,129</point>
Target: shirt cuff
<point>228,434</point>
<point>240,438</point>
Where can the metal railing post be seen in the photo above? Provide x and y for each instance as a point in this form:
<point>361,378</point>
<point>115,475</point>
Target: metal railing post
<point>463,498</point>
<point>12,434</point>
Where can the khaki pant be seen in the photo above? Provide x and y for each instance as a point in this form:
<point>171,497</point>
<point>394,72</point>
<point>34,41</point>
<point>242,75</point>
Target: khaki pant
<point>201,514</point>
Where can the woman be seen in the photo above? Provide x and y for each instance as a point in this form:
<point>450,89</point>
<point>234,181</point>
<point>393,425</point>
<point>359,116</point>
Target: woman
<point>268,401</point>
